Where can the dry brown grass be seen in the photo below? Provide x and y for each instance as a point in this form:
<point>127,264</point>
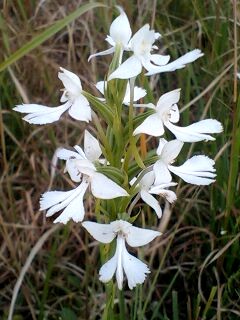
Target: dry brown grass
<point>62,271</point>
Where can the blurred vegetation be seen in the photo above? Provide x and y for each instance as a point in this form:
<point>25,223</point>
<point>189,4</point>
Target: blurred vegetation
<point>195,264</point>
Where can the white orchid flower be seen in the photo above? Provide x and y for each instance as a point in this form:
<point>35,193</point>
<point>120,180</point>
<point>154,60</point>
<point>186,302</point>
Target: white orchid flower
<point>75,102</point>
<point>197,170</point>
<point>81,168</point>
<point>138,92</point>
<point>122,261</point>
<point>119,34</point>
<point>147,188</point>
<point>142,45</point>
<point>167,113</point>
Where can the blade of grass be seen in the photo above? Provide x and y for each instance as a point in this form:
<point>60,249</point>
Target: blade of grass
<point>209,302</point>
<point>175,305</point>
<point>26,266</point>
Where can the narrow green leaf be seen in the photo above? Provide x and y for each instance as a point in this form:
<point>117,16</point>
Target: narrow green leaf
<point>113,173</point>
<point>48,33</point>
<point>209,302</point>
<point>175,305</point>
<point>100,107</point>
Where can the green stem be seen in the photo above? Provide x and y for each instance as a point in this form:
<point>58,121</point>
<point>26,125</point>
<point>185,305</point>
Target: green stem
<point>108,313</point>
<point>122,305</point>
<point>104,140</point>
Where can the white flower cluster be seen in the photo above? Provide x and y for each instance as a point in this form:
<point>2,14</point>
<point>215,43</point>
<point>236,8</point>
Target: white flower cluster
<point>84,165</point>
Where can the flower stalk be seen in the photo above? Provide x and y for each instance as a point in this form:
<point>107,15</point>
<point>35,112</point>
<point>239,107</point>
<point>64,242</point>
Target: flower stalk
<point>109,167</point>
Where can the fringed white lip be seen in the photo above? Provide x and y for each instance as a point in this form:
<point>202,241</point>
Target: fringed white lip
<point>198,170</point>
<point>122,262</point>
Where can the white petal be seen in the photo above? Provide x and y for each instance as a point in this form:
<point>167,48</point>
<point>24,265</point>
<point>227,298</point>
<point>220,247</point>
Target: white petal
<point>142,41</point>
<point>174,114</point>
<point>196,170</point>
<point>75,209</point>
<point>66,154</point>
<point>152,202</point>
<point>160,59</point>
<point>55,201</point>
<point>73,171</point>
<point>134,269</point>
<point>162,143</point>
<point>84,166</point>
<point>101,85</point>
<point>120,252</point>
<point>64,96</point>
<point>171,150</point>
<point>146,62</point>
<point>50,198</point>
<point>80,152</point>
<point>70,81</point>
<point>178,63</point>
<point>138,94</point>
<point>144,105</point>
<point>108,269</point>
<point>101,232</point>
<point>147,180</point>
<point>162,173</point>
<point>169,195</point>
<point>80,109</point>
<point>141,34</point>
<point>39,114</point>
<point>31,108</point>
<point>104,188</point>
<point>121,226</point>
<point>196,131</point>
<point>167,100</point>
<point>102,53</point>
<point>138,237</point>
<point>129,69</point>
<point>120,30</point>
<point>152,125</point>
<point>110,41</point>
<point>91,147</point>
<point>207,126</point>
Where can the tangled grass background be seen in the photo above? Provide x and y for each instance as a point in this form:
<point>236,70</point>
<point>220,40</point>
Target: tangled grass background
<point>51,272</point>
